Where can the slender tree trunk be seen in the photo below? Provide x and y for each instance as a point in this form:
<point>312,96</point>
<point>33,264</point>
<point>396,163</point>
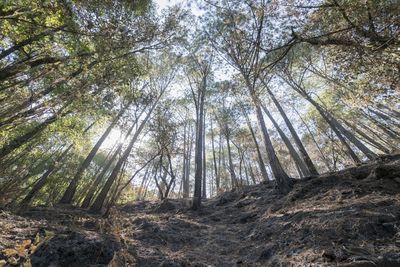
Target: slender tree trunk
<point>234,181</point>
<point>306,158</point>
<point>184,160</point>
<point>369,139</point>
<point>241,156</point>
<point>246,173</point>
<point>85,191</point>
<point>211,183</point>
<point>189,158</point>
<point>93,187</point>
<point>23,139</point>
<point>28,41</point>
<point>172,174</point>
<point>348,149</point>
<point>282,179</point>
<point>350,136</point>
<point>324,159</point>
<point>390,110</point>
<point>163,175</point>
<point>214,157</point>
<point>204,189</point>
<point>142,184</point>
<point>384,117</point>
<point>378,136</point>
<point>198,154</point>
<point>390,132</point>
<point>337,127</point>
<point>70,192</point>
<point>220,158</point>
<point>253,178</point>
<point>25,173</point>
<point>118,192</point>
<point>98,203</point>
<point>303,170</point>
<point>225,168</point>
<point>43,179</point>
<point>162,186</point>
<point>261,163</point>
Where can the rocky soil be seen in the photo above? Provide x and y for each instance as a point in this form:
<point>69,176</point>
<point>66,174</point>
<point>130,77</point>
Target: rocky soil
<point>349,218</point>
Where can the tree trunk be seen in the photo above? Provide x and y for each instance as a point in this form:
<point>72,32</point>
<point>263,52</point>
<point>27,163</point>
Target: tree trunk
<point>43,179</point>
<point>282,179</point>
<point>186,187</point>
<point>86,202</point>
<point>184,159</point>
<point>198,154</point>
<point>71,189</point>
<point>350,136</point>
<point>306,158</point>
<point>392,111</point>
<point>337,127</point>
<point>384,117</point>
<point>143,183</point>
<point>253,178</point>
<point>220,158</point>
<point>246,173</point>
<point>324,159</point>
<point>369,139</point>
<point>388,131</point>
<point>378,135</point>
<point>234,182</point>
<point>23,139</point>
<point>28,41</point>
<point>214,158</point>
<point>98,203</point>
<point>119,191</point>
<point>204,189</point>
<point>261,163</point>
<point>304,171</point>
<point>333,126</point>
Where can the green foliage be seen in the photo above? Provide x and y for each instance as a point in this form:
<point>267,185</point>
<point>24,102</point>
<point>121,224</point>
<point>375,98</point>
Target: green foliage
<point>83,62</point>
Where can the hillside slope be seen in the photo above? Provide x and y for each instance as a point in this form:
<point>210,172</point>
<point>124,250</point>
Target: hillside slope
<point>348,218</point>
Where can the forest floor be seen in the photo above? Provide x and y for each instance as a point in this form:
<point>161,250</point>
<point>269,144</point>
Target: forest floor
<point>348,218</point>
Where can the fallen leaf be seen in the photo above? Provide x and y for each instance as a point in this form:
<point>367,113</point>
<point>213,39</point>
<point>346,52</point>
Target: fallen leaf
<point>33,249</point>
<point>13,261</point>
<point>9,252</point>
<point>27,263</point>
<point>37,239</point>
<point>22,252</point>
<point>26,243</point>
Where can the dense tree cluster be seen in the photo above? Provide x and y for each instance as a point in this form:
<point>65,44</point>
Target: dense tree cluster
<point>112,101</point>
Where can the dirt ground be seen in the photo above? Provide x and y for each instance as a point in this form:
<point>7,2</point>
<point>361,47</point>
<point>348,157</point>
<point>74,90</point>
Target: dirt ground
<point>350,218</point>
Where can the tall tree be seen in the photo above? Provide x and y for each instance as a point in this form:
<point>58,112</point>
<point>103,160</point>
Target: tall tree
<point>71,189</point>
<point>198,76</point>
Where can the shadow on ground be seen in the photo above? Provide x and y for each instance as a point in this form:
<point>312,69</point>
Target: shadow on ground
<point>350,218</point>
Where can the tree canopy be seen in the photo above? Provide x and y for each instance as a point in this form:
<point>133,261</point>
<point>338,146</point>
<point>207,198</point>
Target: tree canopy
<point>104,102</point>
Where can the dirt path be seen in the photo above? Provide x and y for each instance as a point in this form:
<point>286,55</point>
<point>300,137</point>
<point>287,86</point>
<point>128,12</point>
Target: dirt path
<point>348,219</point>
<point>351,218</point>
